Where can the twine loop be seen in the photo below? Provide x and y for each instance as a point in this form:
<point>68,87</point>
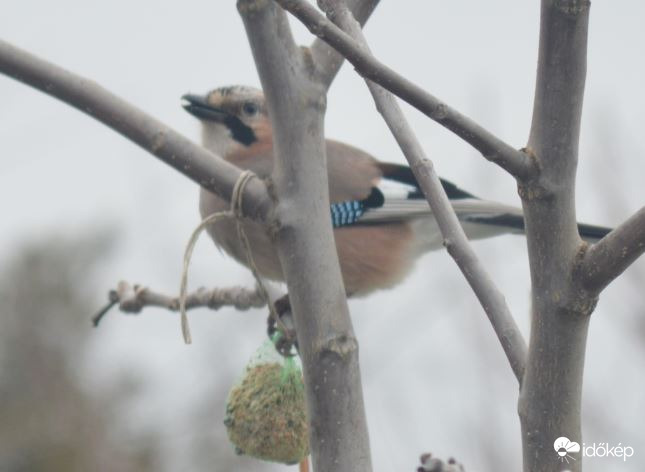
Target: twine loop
<point>236,212</point>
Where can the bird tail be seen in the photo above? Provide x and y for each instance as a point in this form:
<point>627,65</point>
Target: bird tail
<point>592,233</point>
<point>514,223</point>
<point>480,219</point>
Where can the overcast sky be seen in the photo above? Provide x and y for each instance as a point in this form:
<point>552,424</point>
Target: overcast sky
<point>435,377</point>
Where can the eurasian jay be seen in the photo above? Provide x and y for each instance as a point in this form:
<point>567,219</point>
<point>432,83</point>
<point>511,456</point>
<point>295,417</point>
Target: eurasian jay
<point>382,224</point>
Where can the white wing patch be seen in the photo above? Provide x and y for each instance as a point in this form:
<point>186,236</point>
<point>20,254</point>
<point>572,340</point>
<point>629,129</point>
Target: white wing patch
<point>399,205</point>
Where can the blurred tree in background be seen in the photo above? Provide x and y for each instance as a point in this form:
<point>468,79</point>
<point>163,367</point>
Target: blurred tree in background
<point>53,416</point>
<point>50,420</point>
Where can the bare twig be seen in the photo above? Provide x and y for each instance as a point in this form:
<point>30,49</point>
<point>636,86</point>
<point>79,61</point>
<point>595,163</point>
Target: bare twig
<point>492,148</point>
<point>134,298</point>
<point>326,59</point>
<point>96,319</point>
<point>454,237</point>
<point>200,165</point>
<point>607,259</point>
<point>328,347</point>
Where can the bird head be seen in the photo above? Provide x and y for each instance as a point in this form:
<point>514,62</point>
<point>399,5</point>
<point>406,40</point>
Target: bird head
<point>235,121</point>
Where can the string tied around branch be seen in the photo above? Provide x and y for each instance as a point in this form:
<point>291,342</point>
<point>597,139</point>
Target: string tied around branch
<point>235,212</point>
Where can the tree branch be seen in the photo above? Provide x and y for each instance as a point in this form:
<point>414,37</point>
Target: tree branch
<point>327,60</point>
<point>455,239</point>
<point>559,323</point>
<point>607,259</point>
<point>195,162</point>
<point>491,147</point>
<point>134,298</point>
<point>328,347</point>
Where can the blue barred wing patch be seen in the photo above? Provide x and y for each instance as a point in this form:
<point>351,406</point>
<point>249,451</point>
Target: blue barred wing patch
<point>346,213</point>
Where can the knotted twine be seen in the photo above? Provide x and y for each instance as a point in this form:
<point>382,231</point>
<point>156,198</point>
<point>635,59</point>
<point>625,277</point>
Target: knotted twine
<point>235,212</point>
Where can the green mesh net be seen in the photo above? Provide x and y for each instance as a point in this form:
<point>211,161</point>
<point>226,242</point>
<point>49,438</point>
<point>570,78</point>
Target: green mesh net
<point>265,412</point>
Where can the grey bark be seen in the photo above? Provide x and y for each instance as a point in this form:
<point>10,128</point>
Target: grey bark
<point>134,298</point>
<point>607,259</point>
<point>550,397</point>
<point>327,60</point>
<point>455,240</point>
<point>328,348</point>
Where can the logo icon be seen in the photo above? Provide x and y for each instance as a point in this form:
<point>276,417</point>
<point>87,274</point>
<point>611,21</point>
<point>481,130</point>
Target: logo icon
<point>564,447</point>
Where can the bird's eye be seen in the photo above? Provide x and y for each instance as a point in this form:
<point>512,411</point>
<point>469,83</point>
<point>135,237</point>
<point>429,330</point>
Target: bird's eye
<point>250,108</point>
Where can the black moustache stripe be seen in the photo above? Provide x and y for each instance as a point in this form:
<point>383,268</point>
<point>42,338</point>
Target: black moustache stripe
<point>241,133</point>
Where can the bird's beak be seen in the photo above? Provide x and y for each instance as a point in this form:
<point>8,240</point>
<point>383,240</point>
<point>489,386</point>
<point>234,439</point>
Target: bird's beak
<point>199,107</point>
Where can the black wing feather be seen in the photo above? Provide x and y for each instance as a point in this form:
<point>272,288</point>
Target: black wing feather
<point>403,174</point>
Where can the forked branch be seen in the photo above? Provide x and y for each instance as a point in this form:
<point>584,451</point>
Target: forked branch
<point>516,162</point>
<point>326,59</point>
